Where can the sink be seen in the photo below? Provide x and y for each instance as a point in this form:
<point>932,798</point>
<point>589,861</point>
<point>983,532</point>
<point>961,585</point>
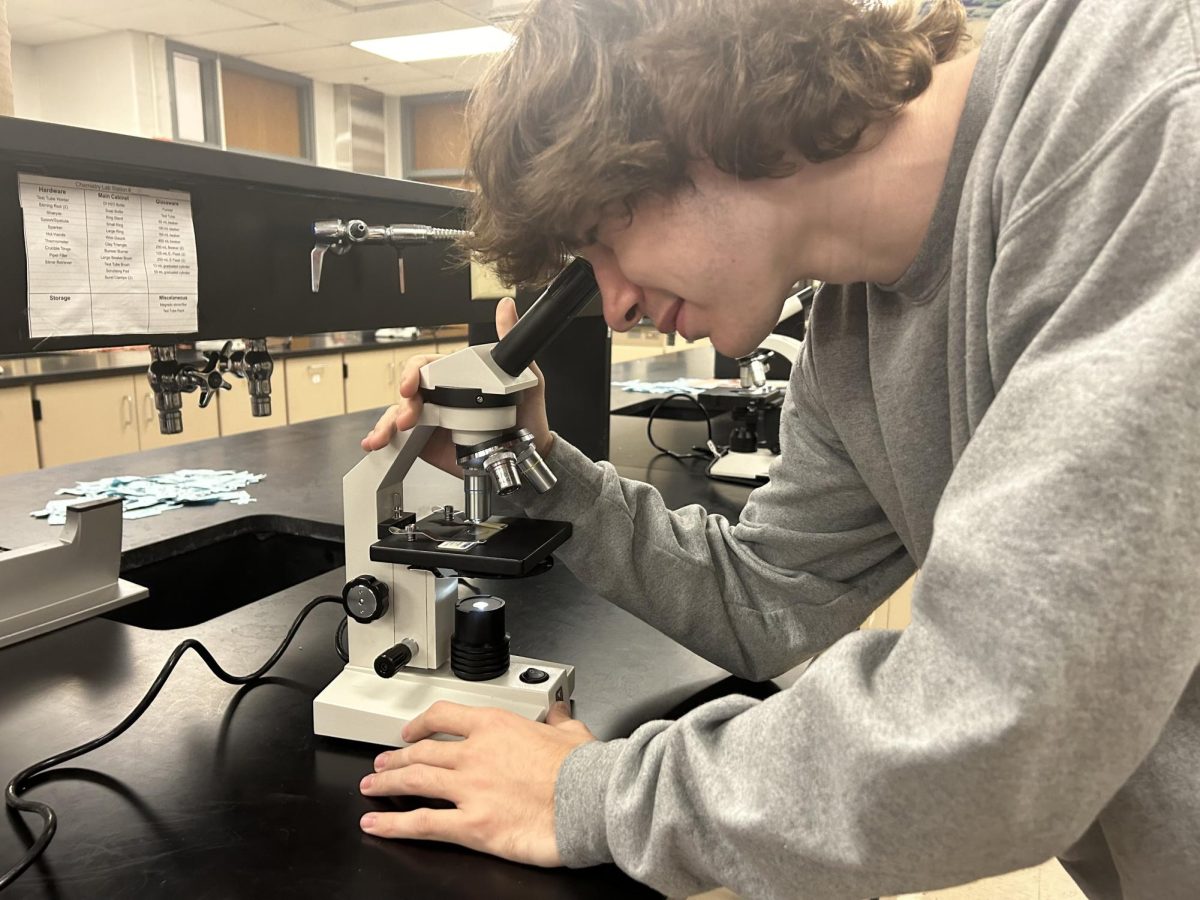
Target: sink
<point>203,574</point>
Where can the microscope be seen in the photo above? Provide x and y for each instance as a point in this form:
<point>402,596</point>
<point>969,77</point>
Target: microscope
<point>412,638</point>
<point>755,406</point>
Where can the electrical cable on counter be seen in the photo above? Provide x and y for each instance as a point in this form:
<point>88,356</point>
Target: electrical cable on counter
<point>49,817</point>
<point>708,451</point>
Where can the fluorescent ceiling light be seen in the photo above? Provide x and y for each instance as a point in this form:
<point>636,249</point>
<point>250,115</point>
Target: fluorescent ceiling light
<point>439,44</point>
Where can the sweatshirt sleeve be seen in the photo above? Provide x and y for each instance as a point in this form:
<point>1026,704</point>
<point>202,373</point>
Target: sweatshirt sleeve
<point>812,555</point>
<point>1056,621</point>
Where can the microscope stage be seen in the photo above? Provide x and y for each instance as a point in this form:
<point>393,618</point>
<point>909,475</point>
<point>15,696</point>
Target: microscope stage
<point>514,550</point>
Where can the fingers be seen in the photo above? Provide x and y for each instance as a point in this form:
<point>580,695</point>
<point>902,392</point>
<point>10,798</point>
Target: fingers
<point>560,717</point>
<point>403,415</point>
<point>410,376</point>
<point>420,824</point>
<point>506,316</point>
<point>560,713</point>
<point>444,717</point>
<point>445,754</point>
<point>382,432</point>
<point>412,781</point>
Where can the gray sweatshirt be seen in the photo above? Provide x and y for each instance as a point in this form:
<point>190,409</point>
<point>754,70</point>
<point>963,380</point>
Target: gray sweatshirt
<point>1019,417</point>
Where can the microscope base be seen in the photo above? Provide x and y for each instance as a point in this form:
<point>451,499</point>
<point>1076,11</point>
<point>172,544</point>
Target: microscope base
<point>358,705</point>
<point>743,467</point>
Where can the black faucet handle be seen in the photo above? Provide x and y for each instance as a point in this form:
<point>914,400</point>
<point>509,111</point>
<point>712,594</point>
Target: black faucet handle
<point>214,383</point>
<point>218,360</point>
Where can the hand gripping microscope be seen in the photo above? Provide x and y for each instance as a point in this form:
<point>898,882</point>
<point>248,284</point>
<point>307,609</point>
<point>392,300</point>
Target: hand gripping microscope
<point>412,639</point>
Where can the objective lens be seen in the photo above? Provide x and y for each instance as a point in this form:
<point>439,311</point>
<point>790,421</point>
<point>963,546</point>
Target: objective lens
<point>502,467</point>
<point>535,471</point>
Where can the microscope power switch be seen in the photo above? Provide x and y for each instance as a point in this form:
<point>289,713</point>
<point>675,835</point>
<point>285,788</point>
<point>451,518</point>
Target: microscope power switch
<point>365,599</point>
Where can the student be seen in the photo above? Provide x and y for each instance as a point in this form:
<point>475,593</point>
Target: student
<point>1000,387</point>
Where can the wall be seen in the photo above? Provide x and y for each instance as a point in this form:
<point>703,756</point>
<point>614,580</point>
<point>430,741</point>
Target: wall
<point>324,149</point>
<point>392,123</point>
<point>27,102</point>
<point>90,82</point>
<point>119,82</point>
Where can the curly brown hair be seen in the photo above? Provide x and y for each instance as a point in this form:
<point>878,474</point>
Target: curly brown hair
<point>600,102</point>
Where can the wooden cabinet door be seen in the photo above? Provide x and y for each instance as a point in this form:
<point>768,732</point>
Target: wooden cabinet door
<point>314,387</point>
<point>233,406</point>
<point>18,447</point>
<point>370,379</point>
<point>198,423</point>
<point>896,611</point>
<point>88,419</point>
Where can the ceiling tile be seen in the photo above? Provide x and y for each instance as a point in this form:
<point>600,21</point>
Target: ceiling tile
<point>283,11</point>
<point>29,12</point>
<point>369,76</point>
<point>179,19</point>
<point>477,8</point>
<point>415,18</point>
<point>340,57</point>
<point>50,32</point>
<point>464,68</point>
<point>262,39</point>
<point>74,9</point>
<point>416,88</point>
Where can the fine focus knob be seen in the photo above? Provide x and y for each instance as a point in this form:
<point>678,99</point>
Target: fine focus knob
<point>365,599</point>
<point>389,662</point>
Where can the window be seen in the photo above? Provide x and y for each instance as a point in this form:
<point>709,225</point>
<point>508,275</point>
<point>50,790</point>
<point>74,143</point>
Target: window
<point>193,79</point>
<point>433,129</point>
<point>236,105</point>
<point>265,114</point>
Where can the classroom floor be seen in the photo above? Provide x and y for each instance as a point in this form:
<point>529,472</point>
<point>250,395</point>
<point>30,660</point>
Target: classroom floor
<point>1045,882</point>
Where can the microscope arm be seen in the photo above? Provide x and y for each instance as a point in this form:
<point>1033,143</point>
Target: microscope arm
<point>787,347</point>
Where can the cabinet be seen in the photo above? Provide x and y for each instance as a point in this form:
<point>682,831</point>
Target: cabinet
<point>198,424</point>
<point>895,612</point>
<point>370,379</point>
<point>645,340</point>
<point>314,387</point>
<point>233,406</point>
<point>87,419</point>
<point>18,448</point>
<point>637,343</point>
<point>373,376</point>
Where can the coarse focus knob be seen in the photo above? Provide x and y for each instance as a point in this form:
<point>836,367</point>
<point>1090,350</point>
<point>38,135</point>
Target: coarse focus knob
<point>365,599</point>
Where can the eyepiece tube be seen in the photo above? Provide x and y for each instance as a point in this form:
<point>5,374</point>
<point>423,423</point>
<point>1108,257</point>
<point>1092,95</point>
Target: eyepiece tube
<point>571,290</point>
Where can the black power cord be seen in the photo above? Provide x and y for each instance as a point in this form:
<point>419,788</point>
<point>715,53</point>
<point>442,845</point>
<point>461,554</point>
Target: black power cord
<point>49,817</point>
<point>708,451</point>
<point>339,641</point>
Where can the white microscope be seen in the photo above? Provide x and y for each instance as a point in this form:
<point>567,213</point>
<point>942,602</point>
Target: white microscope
<point>413,638</point>
<point>756,404</point>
